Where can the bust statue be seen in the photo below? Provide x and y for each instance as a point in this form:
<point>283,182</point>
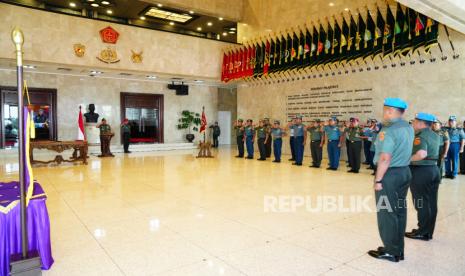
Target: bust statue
<point>91,116</point>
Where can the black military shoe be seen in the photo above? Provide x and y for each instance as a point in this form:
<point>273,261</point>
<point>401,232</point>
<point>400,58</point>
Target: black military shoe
<point>292,159</point>
<point>261,159</point>
<point>401,257</point>
<point>276,161</point>
<point>414,235</point>
<point>383,256</point>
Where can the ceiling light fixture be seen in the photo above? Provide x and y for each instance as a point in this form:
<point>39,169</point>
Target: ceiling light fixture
<point>191,12</point>
<point>171,23</point>
<point>199,29</point>
<point>220,19</point>
<point>225,34</point>
<point>90,0</point>
<point>209,24</point>
<point>109,11</point>
<point>331,4</point>
<point>346,9</point>
<point>105,3</point>
<point>232,32</point>
<point>95,72</point>
<point>95,5</point>
<point>151,77</point>
<point>142,18</point>
<point>72,5</point>
<point>159,5</point>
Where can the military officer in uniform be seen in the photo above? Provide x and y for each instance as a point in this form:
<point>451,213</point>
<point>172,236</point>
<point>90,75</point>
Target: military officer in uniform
<point>443,146</point>
<point>355,149</point>
<point>425,176</point>
<point>239,128</point>
<point>268,126</point>
<point>393,151</point>
<point>105,137</point>
<point>457,141</point>
<point>367,139</point>
<point>345,131</point>
<point>316,143</point>
<point>334,137</point>
<point>291,139</point>
<point>300,138</point>
<point>276,134</point>
<point>249,138</point>
<point>261,138</point>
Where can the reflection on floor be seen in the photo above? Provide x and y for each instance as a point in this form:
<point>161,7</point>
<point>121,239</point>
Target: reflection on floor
<point>168,213</point>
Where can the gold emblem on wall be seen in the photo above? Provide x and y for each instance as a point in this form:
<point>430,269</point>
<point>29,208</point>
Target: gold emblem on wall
<point>79,49</point>
<point>108,55</point>
<point>136,57</point>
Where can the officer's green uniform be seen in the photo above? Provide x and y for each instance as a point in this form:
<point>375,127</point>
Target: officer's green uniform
<point>396,139</point>
<point>268,142</point>
<point>346,136</point>
<point>104,129</point>
<point>316,135</point>
<point>261,136</point>
<point>355,148</point>
<point>444,137</point>
<point>425,181</point>
<point>240,139</point>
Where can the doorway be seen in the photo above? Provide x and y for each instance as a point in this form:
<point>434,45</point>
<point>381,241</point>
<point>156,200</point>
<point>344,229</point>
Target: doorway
<point>224,121</point>
<point>44,109</point>
<point>145,115</point>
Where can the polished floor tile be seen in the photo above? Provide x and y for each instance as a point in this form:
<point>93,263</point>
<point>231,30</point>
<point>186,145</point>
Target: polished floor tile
<point>169,213</point>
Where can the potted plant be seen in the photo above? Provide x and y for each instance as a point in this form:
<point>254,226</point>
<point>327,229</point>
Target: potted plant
<point>189,120</point>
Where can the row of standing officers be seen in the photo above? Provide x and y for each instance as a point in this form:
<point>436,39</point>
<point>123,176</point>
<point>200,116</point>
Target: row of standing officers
<point>403,155</point>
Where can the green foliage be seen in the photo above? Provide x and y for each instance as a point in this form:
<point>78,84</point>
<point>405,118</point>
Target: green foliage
<point>189,120</point>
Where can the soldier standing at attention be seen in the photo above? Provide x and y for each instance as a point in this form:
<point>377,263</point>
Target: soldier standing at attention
<point>126,130</point>
<point>316,143</point>
<point>457,140</point>
<point>276,133</point>
<point>345,130</point>
<point>239,127</point>
<point>443,146</point>
<point>334,136</point>
<point>367,139</point>
<point>393,151</point>
<point>291,139</point>
<point>355,149</point>
<point>267,124</point>
<point>425,176</point>
<point>261,138</point>
<point>300,138</point>
<point>249,138</point>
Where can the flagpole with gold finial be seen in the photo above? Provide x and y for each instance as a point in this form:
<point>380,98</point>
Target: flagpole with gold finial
<point>18,39</point>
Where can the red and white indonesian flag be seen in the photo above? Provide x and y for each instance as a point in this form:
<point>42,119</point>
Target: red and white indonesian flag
<point>81,134</point>
<point>203,123</point>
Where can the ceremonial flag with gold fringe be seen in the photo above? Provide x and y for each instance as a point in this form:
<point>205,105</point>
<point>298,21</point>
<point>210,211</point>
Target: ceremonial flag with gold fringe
<point>344,40</point>
<point>388,39</point>
<point>431,36</point>
<point>368,38</point>
<point>378,39</point>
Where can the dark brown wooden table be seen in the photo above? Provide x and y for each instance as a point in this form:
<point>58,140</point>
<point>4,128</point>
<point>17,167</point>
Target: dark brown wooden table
<point>79,148</point>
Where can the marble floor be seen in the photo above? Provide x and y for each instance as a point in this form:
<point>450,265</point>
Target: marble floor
<point>168,213</point>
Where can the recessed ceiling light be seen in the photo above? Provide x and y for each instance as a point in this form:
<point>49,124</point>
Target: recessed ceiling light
<point>109,11</point>
<point>94,72</point>
<point>90,0</point>
<point>105,3</point>
<point>331,4</point>
<point>220,19</point>
<point>346,9</point>
<point>245,24</point>
<point>209,24</point>
<point>199,28</point>
<point>159,5</point>
<point>94,5</point>
<point>171,23</point>
<point>151,77</point>
<point>73,5</point>
<point>191,12</point>
<point>142,18</point>
<point>232,29</point>
<point>225,34</point>
<point>232,32</point>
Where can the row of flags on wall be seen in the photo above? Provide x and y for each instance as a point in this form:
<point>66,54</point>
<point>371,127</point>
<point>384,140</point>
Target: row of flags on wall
<point>335,43</point>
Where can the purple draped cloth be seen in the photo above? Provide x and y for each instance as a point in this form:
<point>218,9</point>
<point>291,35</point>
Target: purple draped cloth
<point>10,227</point>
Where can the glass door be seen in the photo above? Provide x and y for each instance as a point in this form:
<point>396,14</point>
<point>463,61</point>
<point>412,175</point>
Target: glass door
<point>11,125</point>
<point>144,124</point>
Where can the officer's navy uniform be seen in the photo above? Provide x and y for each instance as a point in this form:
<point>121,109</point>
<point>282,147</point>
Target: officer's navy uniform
<point>291,143</point>
<point>334,151</point>
<point>368,134</point>
<point>456,135</point>
<point>299,134</point>
<point>249,137</point>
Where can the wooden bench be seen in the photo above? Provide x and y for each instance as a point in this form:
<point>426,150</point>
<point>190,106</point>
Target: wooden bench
<point>79,148</point>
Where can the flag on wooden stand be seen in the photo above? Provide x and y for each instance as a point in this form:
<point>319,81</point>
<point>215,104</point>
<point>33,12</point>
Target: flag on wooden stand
<point>81,133</point>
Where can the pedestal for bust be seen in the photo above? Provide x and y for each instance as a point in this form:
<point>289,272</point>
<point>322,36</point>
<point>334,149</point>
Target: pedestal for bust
<point>92,134</point>
<point>105,145</point>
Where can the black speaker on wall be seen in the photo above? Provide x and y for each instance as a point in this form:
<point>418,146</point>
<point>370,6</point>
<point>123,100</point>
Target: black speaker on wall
<point>181,89</point>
